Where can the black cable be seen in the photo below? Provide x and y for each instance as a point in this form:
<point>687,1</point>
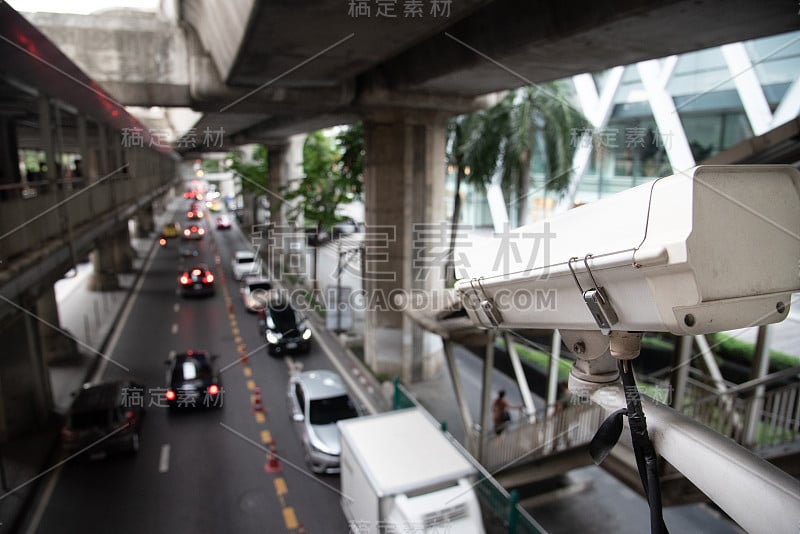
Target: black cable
<point>646,459</point>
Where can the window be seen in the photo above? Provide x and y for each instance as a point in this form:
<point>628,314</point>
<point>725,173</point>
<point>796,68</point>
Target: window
<point>328,411</point>
<point>89,419</point>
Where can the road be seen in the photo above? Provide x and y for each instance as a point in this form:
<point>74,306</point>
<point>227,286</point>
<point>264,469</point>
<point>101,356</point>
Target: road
<point>203,470</point>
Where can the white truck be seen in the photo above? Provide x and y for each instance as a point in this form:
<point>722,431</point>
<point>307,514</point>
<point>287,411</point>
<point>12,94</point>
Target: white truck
<point>399,473</point>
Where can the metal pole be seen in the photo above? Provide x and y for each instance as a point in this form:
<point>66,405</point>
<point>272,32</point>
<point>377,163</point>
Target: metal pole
<point>552,373</point>
<point>339,287</point>
<point>513,500</point>
<point>757,495</point>
<point>680,375</point>
<point>716,376</point>
<point>760,370</point>
<point>522,380</point>
<point>466,416</point>
<point>486,396</point>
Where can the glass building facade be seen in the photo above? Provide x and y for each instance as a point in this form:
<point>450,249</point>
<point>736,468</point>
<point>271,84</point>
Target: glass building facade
<point>717,101</point>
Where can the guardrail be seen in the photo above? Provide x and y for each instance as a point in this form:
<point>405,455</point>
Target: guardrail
<point>532,438</point>
<point>758,419</point>
<point>52,214</point>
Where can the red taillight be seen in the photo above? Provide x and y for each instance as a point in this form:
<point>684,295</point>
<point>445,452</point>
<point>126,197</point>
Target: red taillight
<point>162,242</point>
<point>213,389</point>
<point>196,272</point>
<point>184,279</point>
<point>190,214</point>
<point>170,395</point>
<point>209,278</point>
<point>130,417</point>
<point>194,228</point>
<point>201,231</point>
<point>186,232</point>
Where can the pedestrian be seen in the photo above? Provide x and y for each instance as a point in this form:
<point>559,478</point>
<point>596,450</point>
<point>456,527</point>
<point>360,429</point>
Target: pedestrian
<point>500,412</point>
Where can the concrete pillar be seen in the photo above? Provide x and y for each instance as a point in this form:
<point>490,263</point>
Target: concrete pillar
<point>276,181</point>
<point>123,251</point>
<point>404,175</point>
<point>54,344</point>
<point>113,254</point>
<point>25,396</point>
<point>145,224</point>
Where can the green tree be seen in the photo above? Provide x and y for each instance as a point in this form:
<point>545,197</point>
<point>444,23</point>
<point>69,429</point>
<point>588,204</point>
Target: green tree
<point>253,176</point>
<point>459,132</point>
<point>327,181</point>
<point>541,115</point>
<point>510,133</point>
<point>351,165</point>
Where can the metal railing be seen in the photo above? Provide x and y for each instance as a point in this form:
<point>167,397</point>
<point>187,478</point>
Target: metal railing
<point>756,421</point>
<point>529,439</point>
<point>496,501</point>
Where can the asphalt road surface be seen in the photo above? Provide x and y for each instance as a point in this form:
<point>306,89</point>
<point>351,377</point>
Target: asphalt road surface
<point>203,470</point>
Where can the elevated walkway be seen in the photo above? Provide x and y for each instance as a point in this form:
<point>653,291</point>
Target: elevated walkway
<point>761,415</point>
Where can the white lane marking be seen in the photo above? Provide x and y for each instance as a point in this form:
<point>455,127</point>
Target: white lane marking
<point>163,459</point>
<point>177,307</point>
<point>174,328</point>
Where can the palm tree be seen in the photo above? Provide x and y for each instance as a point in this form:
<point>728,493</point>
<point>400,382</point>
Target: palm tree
<point>504,139</point>
<point>471,164</point>
<point>542,115</point>
<point>509,134</point>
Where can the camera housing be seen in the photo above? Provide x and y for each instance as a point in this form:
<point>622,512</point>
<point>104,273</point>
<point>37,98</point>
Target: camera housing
<point>713,249</point>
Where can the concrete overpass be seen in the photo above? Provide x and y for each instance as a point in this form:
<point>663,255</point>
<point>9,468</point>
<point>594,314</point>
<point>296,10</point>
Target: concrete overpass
<point>261,71</point>
<point>266,70</point>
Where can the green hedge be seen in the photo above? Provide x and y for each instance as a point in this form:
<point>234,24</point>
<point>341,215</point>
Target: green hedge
<point>732,349</point>
<point>729,348</point>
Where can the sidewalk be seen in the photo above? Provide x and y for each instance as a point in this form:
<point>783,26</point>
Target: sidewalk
<point>89,318</point>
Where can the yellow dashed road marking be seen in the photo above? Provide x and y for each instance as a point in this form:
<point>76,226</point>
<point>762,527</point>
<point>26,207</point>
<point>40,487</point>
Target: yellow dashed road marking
<point>289,518</point>
<point>281,489</point>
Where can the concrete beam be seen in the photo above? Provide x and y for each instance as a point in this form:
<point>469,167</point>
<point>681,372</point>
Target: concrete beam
<point>517,42</point>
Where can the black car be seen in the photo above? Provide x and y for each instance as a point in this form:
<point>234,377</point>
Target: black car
<point>285,329</point>
<point>197,281</point>
<point>193,381</point>
<point>105,418</point>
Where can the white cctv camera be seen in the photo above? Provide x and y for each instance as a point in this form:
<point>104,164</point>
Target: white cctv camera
<point>717,248</point>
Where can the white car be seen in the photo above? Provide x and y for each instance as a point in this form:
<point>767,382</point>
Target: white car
<point>255,292</point>
<point>317,400</point>
<point>245,263</point>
